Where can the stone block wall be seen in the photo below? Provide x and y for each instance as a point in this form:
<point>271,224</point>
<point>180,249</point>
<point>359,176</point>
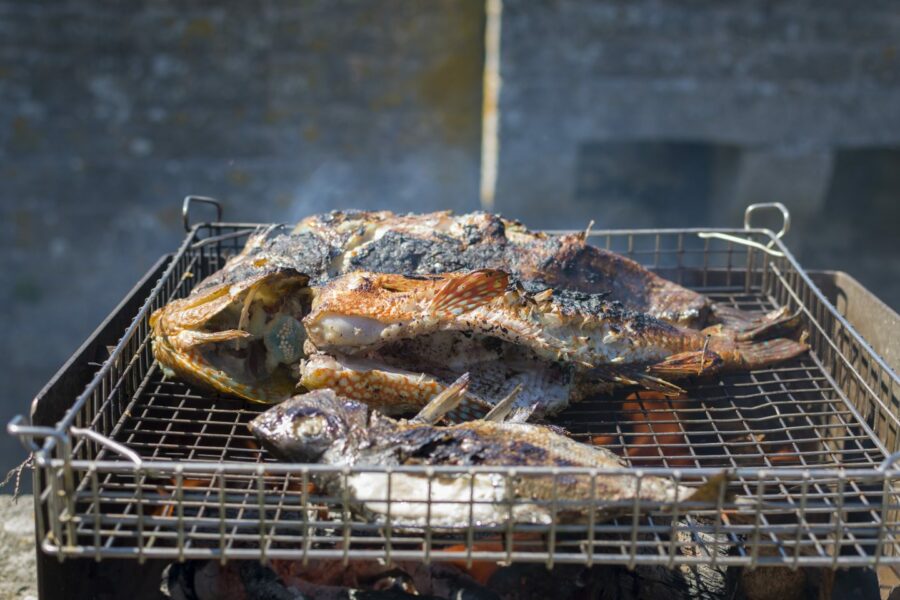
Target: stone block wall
<point>111,112</point>
<point>644,113</point>
<point>628,112</point>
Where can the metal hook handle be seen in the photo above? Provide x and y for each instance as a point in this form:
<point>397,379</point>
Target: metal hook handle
<point>26,432</point>
<point>785,214</point>
<point>748,212</point>
<point>20,428</point>
<point>186,208</point>
<point>108,443</point>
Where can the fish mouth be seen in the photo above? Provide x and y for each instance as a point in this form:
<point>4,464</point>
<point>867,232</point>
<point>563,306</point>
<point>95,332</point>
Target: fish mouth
<point>245,339</point>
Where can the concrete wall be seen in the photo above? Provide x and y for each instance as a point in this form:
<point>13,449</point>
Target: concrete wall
<point>649,113</point>
<point>111,112</point>
<point>628,112</point>
<point>787,84</point>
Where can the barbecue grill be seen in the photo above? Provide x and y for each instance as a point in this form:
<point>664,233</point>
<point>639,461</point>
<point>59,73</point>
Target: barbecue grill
<point>139,466</point>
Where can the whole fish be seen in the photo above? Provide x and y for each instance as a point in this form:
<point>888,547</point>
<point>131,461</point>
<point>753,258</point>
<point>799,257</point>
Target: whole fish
<point>322,427</point>
<point>238,333</point>
<point>328,245</point>
<point>480,322</point>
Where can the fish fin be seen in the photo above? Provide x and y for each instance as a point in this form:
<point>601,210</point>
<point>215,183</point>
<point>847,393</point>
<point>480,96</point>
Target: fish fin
<point>733,318</point>
<point>745,325</point>
<point>684,364</point>
<point>503,408</point>
<point>649,382</point>
<point>612,375</point>
<point>444,402</point>
<point>775,324</point>
<point>189,339</point>
<point>462,294</point>
<point>521,414</point>
<point>712,488</point>
<point>642,379</point>
<point>755,355</point>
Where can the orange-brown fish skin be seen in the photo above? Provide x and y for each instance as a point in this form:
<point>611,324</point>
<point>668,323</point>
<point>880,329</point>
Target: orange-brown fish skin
<point>331,244</point>
<point>441,242</point>
<point>363,311</point>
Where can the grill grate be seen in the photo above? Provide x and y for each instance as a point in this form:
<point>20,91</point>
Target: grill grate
<point>806,441</point>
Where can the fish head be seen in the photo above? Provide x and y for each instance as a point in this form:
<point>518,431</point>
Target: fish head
<point>240,338</point>
<point>361,309</point>
<point>319,426</point>
<point>364,310</point>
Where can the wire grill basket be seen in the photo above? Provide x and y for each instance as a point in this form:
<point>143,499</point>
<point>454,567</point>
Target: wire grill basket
<point>147,467</point>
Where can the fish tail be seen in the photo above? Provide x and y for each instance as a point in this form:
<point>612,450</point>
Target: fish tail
<point>745,325</point>
<point>755,355</point>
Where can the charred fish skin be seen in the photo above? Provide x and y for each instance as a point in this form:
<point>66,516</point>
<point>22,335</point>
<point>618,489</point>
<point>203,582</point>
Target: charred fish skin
<point>272,249</point>
<point>331,244</point>
<point>327,246</point>
<point>362,312</point>
<point>438,243</point>
<point>326,428</point>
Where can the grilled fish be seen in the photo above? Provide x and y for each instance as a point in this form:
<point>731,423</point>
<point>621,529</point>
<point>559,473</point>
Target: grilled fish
<point>591,344</point>
<point>224,337</point>
<point>322,427</point>
<point>327,245</point>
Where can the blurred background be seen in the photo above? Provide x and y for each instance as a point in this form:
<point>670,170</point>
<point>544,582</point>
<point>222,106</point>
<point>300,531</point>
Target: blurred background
<point>635,113</point>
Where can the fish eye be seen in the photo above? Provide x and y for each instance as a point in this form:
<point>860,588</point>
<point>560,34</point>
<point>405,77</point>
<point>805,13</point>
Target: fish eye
<point>310,427</point>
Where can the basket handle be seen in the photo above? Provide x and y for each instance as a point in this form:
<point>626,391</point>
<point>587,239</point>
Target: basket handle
<point>108,443</point>
<point>186,209</point>
<point>888,463</point>
<point>26,433</point>
<point>785,215</point>
<point>748,213</point>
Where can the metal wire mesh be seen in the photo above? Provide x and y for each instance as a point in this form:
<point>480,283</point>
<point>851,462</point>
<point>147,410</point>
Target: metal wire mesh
<point>805,442</point>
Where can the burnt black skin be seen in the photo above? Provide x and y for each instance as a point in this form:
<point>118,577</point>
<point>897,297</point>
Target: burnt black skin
<point>563,263</point>
<point>368,437</point>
